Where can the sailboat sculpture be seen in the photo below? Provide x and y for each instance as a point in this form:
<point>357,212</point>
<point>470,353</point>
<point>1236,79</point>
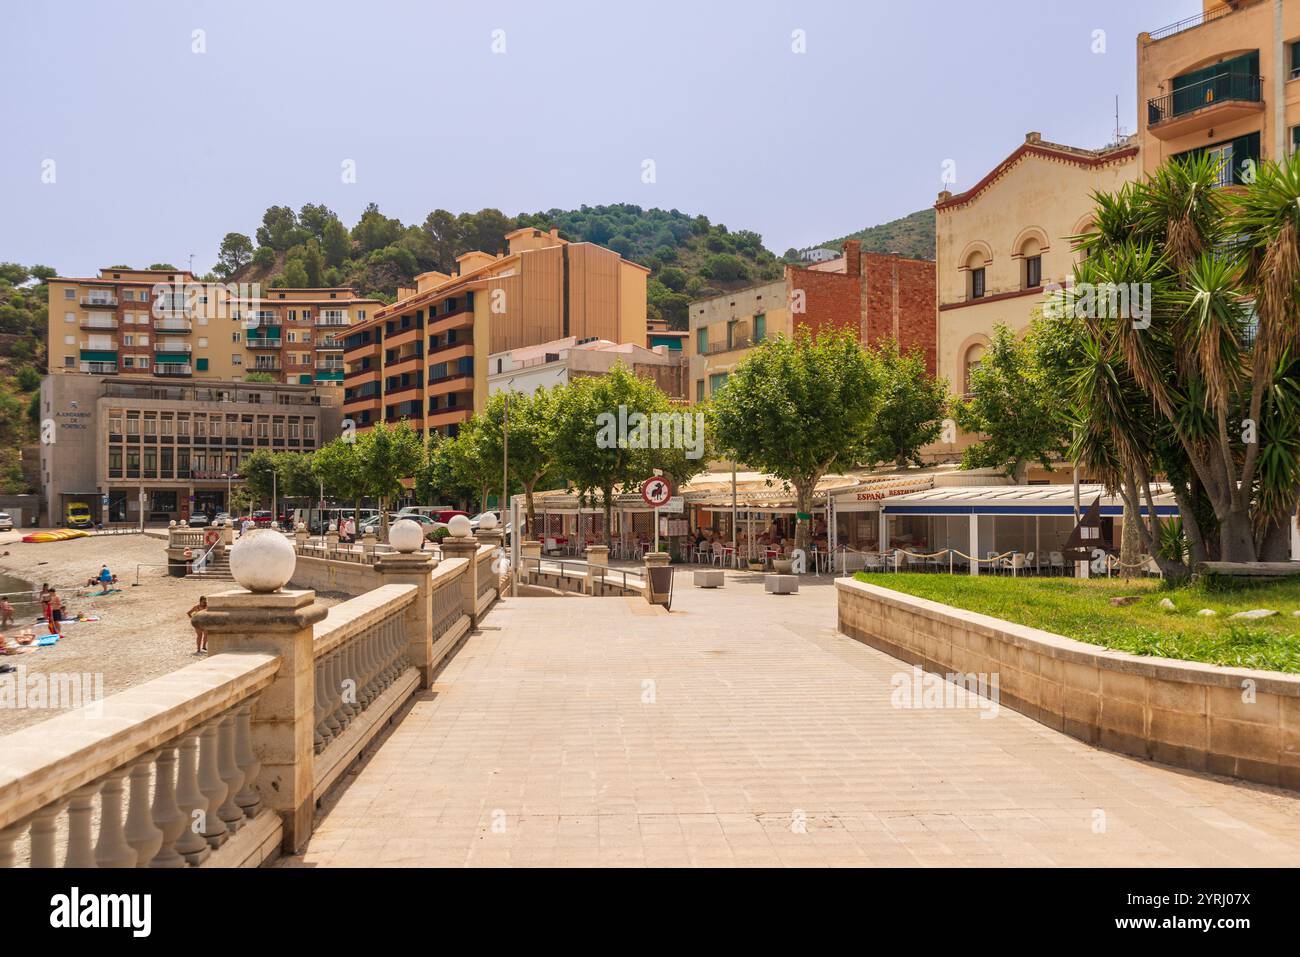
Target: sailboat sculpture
<point>1086,535</point>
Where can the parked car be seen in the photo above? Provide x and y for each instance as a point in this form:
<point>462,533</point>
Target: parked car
<point>474,522</point>
<point>6,522</point>
<point>198,520</point>
<point>430,526</point>
<point>263,518</point>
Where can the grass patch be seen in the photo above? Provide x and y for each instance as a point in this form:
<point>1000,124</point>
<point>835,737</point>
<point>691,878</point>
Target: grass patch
<point>1081,609</point>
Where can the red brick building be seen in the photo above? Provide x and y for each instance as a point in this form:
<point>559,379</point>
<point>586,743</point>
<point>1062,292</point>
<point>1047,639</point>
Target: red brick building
<point>877,296</point>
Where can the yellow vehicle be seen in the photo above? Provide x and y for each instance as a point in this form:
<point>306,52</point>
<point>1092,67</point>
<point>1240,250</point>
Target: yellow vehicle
<point>78,515</point>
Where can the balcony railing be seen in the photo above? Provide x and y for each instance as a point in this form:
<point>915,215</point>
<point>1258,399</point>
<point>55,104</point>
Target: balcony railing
<point>99,322</point>
<point>330,344</point>
<point>329,367</point>
<point>99,302</point>
<point>746,342</point>
<point>1224,88</point>
<point>267,367</point>
<point>331,320</point>
<point>167,346</point>
<point>99,368</point>
<point>1189,22</point>
<point>260,343</point>
<point>173,369</point>
<point>256,322</point>
<point>172,325</point>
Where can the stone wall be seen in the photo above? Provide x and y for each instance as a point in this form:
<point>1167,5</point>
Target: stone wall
<point>1232,721</point>
<point>335,577</point>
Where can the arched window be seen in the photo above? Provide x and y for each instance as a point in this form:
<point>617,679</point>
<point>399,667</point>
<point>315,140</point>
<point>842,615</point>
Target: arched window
<point>970,360</point>
<point>975,281</point>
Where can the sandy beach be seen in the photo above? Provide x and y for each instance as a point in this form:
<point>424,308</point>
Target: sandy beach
<point>142,633</point>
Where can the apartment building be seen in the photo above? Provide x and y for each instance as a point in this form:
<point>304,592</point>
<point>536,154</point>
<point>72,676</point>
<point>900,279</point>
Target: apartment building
<point>164,324</point>
<point>875,296</point>
<point>530,368</point>
<point>1225,82</point>
<point>424,359</point>
<point>124,444</point>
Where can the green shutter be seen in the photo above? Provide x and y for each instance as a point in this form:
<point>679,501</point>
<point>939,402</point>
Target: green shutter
<point>702,341</point>
<point>760,326</point>
<point>171,358</point>
<point>201,365</point>
<point>304,379</point>
<point>98,355</point>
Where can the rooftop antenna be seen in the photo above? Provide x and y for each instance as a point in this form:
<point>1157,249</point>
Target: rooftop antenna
<point>1117,119</point>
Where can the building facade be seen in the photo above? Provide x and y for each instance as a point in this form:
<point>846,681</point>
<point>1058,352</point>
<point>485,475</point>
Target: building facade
<point>530,368</point>
<point>874,296</point>
<point>122,445</point>
<point>1000,243</point>
<point>424,359</point>
<point>1226,82</point>
<point>166,325</point>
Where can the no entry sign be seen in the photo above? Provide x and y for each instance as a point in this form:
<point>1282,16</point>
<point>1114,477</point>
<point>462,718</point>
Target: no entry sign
<point>656,491</point>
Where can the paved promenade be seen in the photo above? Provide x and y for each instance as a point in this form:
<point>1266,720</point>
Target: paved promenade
<point>742,729</point>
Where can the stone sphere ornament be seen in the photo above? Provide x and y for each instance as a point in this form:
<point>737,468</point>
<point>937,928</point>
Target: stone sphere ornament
<point>262,561</point>
<point>458,527</point>
<point>487,522</point>
<point>406,536</point>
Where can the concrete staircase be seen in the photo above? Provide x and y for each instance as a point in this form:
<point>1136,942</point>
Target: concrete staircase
<point>217,569</point>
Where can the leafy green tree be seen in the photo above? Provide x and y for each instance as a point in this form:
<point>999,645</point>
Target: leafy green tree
<point>279,228</point>
<point>28,379</point>
<point>797,409</point>
<point>387,455</point>
<point>911,415</point>
<point>469,458</point>
<point>236,252</point>
<point>375,230</point>
<point>589,451</point>
<point>336,244</point>
<point>1017,412</point>
<point>531,440</point>
<point>338,469</point>
<point>313,262</point>
<point>314,218</point>
<point>264,257</point>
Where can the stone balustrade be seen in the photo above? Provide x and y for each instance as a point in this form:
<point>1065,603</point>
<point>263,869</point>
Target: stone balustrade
<point>222,762</point>
<point>161,775</point>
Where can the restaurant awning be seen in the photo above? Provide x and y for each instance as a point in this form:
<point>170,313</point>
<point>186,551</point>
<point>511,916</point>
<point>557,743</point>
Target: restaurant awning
<point>1018,500</point>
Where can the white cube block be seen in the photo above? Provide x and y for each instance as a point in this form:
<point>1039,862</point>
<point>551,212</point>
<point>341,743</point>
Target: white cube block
<point>709,578</point>
<point>781,584</point>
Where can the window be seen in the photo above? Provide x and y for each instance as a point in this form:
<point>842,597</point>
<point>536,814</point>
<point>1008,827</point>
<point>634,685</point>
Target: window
<point>69,294</point>
<point>201,365</point>
<point>234,337</point>
<point>128,340</point>
<point>128,362</point>
<point>236,360</point>
<point>69,360</point>
<point>760,327</point>
<point>1295,140</point>
<point>699,390</point>
<point>977,283</point>
<point>69,340</point>
<point>144,339</point>
<point>203,342</point>
<point>716,382</point>
<point>973,356</point>
<point>144,362</point>
<point>1033,272</point>
<point>702,341</point>
<point>1295,60</point>
<point>69,317</point>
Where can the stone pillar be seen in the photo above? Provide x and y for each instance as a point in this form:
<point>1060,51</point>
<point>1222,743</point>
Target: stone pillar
<point>300,535</point>
<point>529,550</point>
<point>368,542</point>
<point>414,568</point>
<point>332,538</point>
<point>465,546</point>
<point>283,721</point>
<point>597,562</point>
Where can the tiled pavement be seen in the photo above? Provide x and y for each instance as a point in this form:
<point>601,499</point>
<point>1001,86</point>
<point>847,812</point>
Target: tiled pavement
<point>742,729</point>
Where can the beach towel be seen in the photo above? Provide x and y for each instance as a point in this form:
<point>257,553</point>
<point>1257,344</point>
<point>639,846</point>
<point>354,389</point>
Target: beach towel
<point>46,640</point>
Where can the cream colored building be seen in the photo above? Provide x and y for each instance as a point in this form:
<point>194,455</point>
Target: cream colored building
<point>165,324</point>
<point>725,329</point>
<point>1226,81</point>
<point>999,243</point>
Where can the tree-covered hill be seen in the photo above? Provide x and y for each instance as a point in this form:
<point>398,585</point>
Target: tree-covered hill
<point>24,311</point>
<point>688,256</point>
<point>913,235</point>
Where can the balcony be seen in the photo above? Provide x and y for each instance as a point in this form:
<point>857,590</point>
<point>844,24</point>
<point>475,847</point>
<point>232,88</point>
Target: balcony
<point>739,342</point>
<point>261,319</point>
<point>99,368</point>
<point>99,302</point>
<point>173,369</point>
<point>328,366</point>
<point>332,321</point>
<point>267,367</point>
<point>1211,102</point>
<point>1175,28</point>
<point>263,343</point>
<point>173,325</point>
<point>99,322</point>
<point>168,346</point>
<point>329,344</point>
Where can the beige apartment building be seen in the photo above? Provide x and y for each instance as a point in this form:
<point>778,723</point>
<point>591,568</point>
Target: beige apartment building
<point>166,325</point>
<point>1226,82</point>
<point>424,359</point>
<point>127,445</point>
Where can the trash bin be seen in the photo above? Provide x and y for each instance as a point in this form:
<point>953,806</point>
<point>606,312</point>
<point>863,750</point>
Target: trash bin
<point>660,585</point>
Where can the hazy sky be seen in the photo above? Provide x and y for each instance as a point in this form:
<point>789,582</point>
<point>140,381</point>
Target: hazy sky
<point>159,150</point>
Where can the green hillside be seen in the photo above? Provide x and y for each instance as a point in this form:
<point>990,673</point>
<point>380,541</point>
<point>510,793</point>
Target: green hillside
<point>913,235</point>
<point>688,256</point>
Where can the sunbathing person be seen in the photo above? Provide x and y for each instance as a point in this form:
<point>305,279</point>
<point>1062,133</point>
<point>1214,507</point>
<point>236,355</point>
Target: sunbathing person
<point>6,613</point>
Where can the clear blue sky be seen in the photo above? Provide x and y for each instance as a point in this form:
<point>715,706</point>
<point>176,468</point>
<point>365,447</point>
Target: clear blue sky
<point>160,151</point>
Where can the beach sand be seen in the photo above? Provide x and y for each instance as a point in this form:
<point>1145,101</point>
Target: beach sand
<point>143,631</point>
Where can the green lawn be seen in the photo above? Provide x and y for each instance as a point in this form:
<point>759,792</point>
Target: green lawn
<point>1081,609</point>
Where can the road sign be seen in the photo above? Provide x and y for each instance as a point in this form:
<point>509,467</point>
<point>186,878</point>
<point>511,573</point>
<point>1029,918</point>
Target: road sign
<point>656,491</point>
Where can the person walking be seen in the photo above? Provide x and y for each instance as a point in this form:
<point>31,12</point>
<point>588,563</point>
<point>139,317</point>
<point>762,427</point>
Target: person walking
<point>54,612</point>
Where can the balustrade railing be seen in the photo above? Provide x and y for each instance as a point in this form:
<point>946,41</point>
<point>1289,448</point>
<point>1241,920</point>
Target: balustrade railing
<point>94,788</point>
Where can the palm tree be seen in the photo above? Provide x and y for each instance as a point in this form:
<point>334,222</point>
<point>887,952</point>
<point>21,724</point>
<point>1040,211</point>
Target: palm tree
<point>1204,390</point>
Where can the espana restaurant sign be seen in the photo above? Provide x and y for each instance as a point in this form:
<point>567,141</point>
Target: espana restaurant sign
<point>886,493</point>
